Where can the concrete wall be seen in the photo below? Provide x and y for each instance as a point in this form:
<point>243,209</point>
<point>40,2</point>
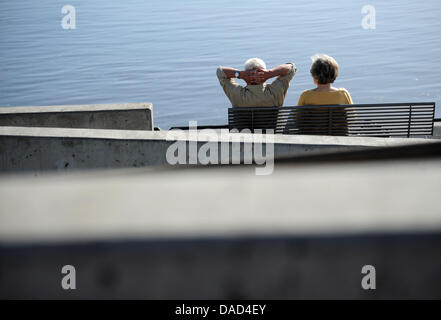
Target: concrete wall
<point>40,149</point>
<point>308,267</point>
<point>304,232</point>
<point>130,116</point>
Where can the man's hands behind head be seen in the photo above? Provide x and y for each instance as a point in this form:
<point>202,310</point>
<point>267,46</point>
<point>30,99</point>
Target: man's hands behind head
<point>255,76</point>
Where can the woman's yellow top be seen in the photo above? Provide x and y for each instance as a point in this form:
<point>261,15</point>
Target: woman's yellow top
<point>317,98</point>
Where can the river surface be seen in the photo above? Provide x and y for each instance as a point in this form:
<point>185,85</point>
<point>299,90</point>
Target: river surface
<point>167,52</point>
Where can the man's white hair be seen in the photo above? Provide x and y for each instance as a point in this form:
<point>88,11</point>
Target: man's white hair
<point>252,63</point>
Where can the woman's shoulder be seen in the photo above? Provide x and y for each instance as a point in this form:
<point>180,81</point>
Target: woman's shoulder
<point>343,90</point>
<point>347,95</point>
<point>308,91</point>
<point>313,91</point>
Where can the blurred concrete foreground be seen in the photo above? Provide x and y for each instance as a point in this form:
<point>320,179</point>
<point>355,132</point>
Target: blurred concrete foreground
<point>332,206</point>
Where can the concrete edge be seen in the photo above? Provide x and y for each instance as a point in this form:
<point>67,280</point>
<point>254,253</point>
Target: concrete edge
<point>77,108</point>
<point>206,136</point>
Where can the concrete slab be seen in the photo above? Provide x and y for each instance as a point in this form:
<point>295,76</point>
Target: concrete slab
<point>304,232</point>
<point>42,149</point>
<point>129,116</point>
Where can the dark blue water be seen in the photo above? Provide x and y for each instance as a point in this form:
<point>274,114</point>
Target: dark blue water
<point>166,52</point>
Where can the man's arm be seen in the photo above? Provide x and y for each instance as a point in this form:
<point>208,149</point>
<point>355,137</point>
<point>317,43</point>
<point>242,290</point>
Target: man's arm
<point>284,74</point>
<point>229,72</point>
<point>248,76</point>
<point>278,71</point>
<point>259,75</point>
<point>232,89</point>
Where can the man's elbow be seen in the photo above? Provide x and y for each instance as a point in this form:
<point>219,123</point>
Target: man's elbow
<point>220,73</point>
<point>291,67</point>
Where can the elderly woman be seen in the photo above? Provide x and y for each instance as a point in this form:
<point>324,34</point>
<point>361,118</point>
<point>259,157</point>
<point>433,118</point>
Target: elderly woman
<point>324,71</point>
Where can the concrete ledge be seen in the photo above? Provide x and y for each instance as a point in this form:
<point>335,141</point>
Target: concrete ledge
<point>40,149</point>
<point>130,116</point>
<point>365,198</point>
<point>304,232</point>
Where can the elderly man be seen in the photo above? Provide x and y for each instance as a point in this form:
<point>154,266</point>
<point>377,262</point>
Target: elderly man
<point>256,93</point>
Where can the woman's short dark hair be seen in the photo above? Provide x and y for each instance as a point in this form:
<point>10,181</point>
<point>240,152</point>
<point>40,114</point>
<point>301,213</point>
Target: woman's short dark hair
<point>324,68</point>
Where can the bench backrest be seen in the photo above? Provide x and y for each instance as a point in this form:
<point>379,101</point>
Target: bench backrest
<point>377,120</point>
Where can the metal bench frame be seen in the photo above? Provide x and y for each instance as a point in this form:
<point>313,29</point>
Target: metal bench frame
<point>376,120</point>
